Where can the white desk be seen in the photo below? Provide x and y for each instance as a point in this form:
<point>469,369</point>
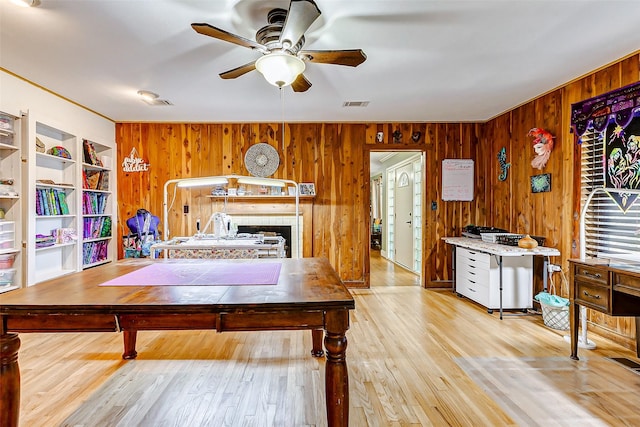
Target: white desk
<point>499,251</point>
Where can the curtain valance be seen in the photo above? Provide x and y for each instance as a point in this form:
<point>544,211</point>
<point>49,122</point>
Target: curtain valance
<point>618,105</point>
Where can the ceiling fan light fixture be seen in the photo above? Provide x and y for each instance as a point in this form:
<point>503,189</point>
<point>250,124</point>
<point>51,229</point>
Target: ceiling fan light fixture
<point>279,68</point>
<point>26,3</point>
<point>147,95</point>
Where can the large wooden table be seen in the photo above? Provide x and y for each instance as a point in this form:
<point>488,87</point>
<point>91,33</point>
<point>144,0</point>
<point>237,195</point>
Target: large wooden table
<point>309,295</point>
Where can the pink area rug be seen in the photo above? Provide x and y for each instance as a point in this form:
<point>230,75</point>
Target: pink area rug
<point>200,274</point>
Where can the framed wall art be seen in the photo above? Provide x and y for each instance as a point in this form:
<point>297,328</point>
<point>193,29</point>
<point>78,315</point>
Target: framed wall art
<point>307,189</point>
<point>541,183</point>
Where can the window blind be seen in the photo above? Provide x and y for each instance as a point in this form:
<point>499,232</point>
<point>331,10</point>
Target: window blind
<point>609,232</point>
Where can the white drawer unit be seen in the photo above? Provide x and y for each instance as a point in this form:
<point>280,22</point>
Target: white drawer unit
<point>478,278</point>
<point>7,236</point>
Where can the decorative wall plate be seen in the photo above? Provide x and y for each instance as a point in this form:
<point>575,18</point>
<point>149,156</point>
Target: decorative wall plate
<point>261,160</point>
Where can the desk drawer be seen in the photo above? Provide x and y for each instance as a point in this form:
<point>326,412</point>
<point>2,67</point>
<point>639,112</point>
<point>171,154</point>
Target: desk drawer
<point>593,296</point>
<point>473,290</point>
<point>626,284</point>
<point>474,258</point>
<point>592,274</point>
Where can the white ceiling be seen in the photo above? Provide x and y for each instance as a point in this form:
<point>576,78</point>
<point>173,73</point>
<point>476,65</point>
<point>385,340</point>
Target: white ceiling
<point>428,60</point>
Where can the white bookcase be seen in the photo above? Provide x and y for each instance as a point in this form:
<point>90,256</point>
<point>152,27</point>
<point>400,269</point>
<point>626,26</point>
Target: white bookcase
<point>51,232</point>
<point>97,205</point>
<point>60,203</point>
<point>10,203</point>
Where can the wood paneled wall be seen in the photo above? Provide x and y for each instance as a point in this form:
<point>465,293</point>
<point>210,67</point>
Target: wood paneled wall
<point>554,215</point>
<point>335,156</point>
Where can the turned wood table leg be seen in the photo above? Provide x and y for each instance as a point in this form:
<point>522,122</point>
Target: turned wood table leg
<point>336,375</point>
<point>9,380</point>
<point>129,344</point>
<point>316,337</point>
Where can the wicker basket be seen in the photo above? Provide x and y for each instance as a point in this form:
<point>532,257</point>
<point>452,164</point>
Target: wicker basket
<point>555,317</point>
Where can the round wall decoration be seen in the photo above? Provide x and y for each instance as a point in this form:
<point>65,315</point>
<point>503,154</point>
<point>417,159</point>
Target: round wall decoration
<point>261,160</point>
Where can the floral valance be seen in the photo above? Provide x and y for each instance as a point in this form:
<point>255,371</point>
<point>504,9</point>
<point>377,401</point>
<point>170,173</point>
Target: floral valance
<point>617,105</point>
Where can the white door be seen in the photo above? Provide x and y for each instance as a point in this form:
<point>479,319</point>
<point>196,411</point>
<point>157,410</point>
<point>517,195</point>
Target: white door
<point>404,216</point>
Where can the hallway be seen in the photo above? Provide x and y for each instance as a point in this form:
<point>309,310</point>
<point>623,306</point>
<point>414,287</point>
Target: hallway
<point>386,273</point>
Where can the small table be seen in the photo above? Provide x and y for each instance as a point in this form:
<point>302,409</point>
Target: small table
<point>308,295</point>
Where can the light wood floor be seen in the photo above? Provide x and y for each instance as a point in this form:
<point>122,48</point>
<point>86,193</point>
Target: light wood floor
<point>385,273</point>
<point>416,357</point>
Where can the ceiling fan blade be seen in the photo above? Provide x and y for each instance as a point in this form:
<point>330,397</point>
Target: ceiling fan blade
<point>302,13</point>
<point>351,58</point>
<point>301,84</point>
<point>217,33</point>
<point>239,71</point>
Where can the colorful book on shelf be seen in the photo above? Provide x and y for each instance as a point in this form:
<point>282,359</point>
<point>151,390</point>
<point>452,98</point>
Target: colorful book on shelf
<point>39,210</point>
<point>62,200</point>
<point>92,179</point>
<point>90,155</point>
<point>103,182</point>
<point>105,231</point>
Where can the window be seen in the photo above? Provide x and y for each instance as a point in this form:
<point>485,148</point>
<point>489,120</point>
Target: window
<point>610,230</point>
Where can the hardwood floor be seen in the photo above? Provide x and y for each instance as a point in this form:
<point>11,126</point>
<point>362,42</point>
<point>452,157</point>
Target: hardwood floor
<point>386,273</point>
<point>416,357</point>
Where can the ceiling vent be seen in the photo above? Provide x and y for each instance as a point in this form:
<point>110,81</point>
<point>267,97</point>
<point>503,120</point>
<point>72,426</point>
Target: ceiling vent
<point>355,103</point>
<point>158,102</point>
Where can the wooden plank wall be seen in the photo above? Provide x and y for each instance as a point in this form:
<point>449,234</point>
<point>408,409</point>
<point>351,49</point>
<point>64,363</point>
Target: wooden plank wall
<point>335,157</point>
<point>554,215</point>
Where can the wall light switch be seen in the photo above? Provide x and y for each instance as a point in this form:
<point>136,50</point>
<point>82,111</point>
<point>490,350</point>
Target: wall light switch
<point>185,209</point>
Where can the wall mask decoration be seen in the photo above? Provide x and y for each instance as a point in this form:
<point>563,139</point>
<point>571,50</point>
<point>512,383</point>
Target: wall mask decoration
<point>541,183</point>
<point>415,137</point>
<point>542,145</point>
<point>397,137</point>
<point>504,166</point>
<point>380,136</point>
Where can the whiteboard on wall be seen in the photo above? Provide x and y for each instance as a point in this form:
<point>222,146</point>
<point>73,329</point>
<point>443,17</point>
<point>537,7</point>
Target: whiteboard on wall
<point>457,179</point>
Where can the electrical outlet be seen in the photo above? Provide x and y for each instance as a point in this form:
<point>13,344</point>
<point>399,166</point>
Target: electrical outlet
<point>554,268</point>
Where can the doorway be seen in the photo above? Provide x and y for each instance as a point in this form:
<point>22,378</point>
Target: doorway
<point>403,221</point>
<point>397,188</point>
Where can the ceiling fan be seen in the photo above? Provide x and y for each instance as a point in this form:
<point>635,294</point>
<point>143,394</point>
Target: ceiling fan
<point>281,42</point>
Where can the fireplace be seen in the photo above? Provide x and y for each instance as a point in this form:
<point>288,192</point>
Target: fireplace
<point>286,226</point>
<point>278,230</point>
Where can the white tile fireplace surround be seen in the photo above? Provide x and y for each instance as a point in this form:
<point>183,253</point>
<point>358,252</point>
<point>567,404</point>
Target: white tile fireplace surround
<point>279,220</point>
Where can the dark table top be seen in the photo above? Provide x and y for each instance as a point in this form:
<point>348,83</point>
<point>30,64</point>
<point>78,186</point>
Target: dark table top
<point>303,284</point>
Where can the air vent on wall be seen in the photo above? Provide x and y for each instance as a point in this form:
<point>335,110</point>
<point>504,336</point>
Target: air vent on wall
<point>355,103</point>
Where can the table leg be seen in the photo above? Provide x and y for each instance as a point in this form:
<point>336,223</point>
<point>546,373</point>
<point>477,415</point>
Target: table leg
<point>638,337</point>
<point>336,375</point>
<point>574,314</point>
<point>316,337</point>
<point>500,271</point>
<point>9,380</point>
<point>453,268</point>
<point>129,344</point>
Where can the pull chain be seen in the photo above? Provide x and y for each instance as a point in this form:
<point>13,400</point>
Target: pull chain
<point>282,111</point>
